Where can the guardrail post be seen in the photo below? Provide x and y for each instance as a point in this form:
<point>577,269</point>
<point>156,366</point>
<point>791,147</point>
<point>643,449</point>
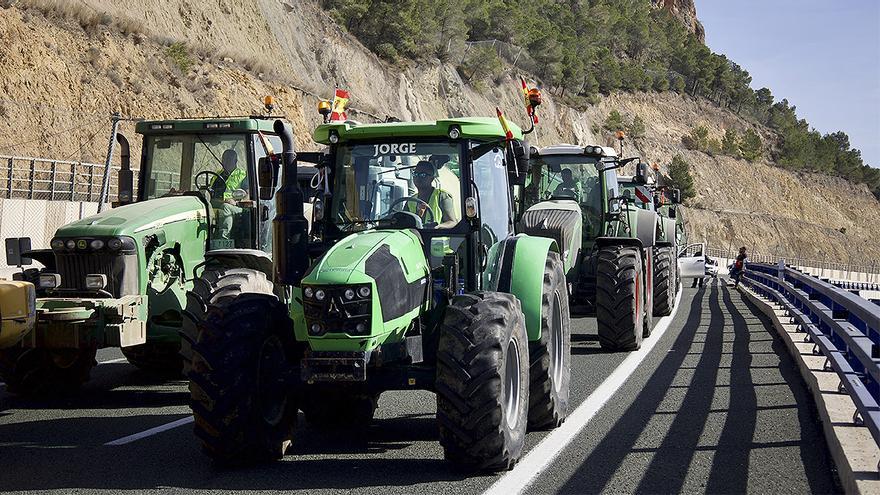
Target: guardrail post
<point>30,194</point>
<point>91,181</point>
<point>9,172</point>
<point>52,181</point>
<point>73,181</point>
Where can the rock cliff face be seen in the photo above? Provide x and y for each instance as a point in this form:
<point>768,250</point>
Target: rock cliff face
<point>64,73</point>
<point>686,11</point>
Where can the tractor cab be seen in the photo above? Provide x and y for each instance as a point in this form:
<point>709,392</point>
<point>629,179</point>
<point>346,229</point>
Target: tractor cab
<point>214,159</point>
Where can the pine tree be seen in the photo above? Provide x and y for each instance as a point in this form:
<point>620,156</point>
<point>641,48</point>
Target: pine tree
<point>750,145</point>
<point>730,143</point>
<point>680,177</point>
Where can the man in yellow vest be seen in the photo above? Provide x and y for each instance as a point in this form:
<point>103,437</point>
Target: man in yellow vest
<point>234,178</point>
<point>439,201</point>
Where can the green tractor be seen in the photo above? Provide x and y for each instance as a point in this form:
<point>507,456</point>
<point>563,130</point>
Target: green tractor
<point>607,242</point>
<point>411,278</point>
<point>120,278</point>
<point>664,201</point>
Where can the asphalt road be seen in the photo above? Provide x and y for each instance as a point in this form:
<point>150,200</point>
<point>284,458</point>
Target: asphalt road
<point>716,406</point>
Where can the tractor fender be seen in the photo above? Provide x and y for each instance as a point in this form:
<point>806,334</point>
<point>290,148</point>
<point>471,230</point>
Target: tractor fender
<point>646,228</point>
<point>522,274</point>
<point>241,258</point>
<point>667,239</point>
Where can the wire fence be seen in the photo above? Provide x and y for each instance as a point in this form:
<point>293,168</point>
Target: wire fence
<point>23,177</point>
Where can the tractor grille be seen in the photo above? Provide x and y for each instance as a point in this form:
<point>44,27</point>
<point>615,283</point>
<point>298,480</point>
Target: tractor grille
<point>121,271</point>
<point>337,315</point>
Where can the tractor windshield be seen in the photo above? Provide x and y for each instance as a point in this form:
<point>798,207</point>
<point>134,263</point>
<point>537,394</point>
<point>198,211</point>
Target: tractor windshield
<point>180,163</point>
<point>418,180</point>
<point>572,177</point>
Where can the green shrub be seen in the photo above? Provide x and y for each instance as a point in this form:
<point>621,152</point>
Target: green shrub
<point>680,177</point>
<point>179,56</point>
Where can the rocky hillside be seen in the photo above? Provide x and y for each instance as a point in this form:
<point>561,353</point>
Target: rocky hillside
<point>67,65</point>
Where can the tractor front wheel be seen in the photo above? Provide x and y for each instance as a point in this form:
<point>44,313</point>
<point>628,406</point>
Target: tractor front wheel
<point>664,281</point>
<point>550,356</point>
<point>483,381</point>
<point>39,371</point>
<point>620,312</point>
<point>242,365</point>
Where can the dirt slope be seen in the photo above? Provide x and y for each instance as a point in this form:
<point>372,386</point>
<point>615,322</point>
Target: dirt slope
<point>61,76</point>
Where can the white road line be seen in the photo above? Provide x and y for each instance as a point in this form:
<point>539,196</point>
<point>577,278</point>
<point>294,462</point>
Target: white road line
<point>111,361</point>
<point>151,431</point>
<point>539,458</point>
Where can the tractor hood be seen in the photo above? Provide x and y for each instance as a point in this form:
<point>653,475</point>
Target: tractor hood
<point>137,217</point>
<point>361,257</point>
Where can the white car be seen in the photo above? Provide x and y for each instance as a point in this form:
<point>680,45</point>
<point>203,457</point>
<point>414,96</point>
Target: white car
<point>692,262</point>
<point>712,268</point>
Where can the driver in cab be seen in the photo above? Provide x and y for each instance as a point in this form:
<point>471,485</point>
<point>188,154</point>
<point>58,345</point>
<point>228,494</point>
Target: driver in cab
<point>569,187</point>
<point>439,201</point>
<point>230,178</point>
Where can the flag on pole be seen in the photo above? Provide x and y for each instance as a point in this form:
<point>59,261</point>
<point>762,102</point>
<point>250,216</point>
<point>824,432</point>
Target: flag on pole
<point>530,110</point>
<point>507,131</point>
<point>340,100</point>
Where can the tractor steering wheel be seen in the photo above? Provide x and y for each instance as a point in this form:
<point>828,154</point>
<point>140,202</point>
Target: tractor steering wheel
<point>415,199</point>
<point>208,186</point>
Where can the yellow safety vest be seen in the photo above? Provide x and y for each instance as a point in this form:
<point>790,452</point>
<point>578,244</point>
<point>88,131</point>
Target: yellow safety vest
<point>232,182</point>
<point>433,203</point>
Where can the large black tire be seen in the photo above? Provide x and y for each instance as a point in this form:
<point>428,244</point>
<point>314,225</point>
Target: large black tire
<point>215,283</point>
<point>334,406</point>
<point>156,358</point>
<point>620,312</point>
<point>29,371</point>
<point>483,381</point>
<point>664,281</point>
<point>550,357</point>
<point>245,353</point>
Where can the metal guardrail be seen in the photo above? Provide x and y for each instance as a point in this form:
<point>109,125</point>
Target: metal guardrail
<point>23,177</point>
<point>843,327</point>
<point>872,268</point>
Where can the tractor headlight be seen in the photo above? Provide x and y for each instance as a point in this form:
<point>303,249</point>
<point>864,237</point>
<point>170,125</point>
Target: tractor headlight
<point>349,294</point>
<point>49,280</point>
<point>454,132</point>
<point>308,292</point>
<point>334,137</point>
<point>96,281</point>
<point>315,329</point>
<point>70,244</point>
<point>57,244</point>
<point>96,244</point>
<point>364,291</point>
<point>114,244</point>
<point>361,328</point>
<point>320,294</point>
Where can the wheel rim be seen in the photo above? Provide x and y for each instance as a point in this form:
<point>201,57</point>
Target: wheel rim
<point>557,351</point>
<point>511,384</point>
<point>270,376</point>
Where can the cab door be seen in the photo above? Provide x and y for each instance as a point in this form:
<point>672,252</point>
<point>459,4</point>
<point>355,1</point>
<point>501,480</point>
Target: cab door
<point>692,261</point>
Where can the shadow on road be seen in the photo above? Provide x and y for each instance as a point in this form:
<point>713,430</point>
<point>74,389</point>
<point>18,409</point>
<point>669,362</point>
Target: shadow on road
<point>690,428</point>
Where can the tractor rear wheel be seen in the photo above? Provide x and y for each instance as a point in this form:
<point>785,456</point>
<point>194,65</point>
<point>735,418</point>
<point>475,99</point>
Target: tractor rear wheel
<point>40,371</point>
<point>483,381</point>
<point>620,312</point>
<point>215,283</point>
<point>550,357</point>
<point>242,362</point>
<point>664,281</point>
<point>330,407</point>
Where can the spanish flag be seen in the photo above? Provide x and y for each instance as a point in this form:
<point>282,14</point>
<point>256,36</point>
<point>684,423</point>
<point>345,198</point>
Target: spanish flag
<point>530,110</point>
<point>340,100</point>
<point>504,125</point>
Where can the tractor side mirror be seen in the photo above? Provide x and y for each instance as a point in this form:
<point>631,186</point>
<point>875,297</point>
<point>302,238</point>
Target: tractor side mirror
<point>518,163</point>
<point>15,246</point>
<point>267,177</point>
<point>675,196</point>
<point>126,186</point>
<point>641,176</point>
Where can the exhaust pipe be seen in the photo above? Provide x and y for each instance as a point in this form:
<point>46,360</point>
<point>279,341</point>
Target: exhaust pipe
<point>125,194</point>
<point>290,227</point>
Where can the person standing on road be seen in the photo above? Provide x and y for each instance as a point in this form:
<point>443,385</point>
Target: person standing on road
<point>739,266</point>
<point>699,279</point>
